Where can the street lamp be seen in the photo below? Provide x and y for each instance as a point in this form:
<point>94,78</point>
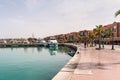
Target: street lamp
<point>113,30</point>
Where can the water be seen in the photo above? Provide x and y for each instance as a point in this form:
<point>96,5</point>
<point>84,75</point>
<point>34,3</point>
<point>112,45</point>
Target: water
<point>33,63</point>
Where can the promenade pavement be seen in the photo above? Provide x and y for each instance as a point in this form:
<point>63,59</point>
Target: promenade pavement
<point>98,64</point>
<point>92,64</point>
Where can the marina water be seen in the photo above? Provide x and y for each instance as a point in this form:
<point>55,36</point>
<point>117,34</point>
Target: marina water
<point>32,63</point>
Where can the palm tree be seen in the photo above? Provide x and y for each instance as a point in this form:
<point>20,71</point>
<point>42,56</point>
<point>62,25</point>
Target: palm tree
<point>92,37</point>
<point>117,13</point>
<point>95,35</point>
<point>75,39</point>
<point>70,38</point>
<point>108,34</point>
<point>79,38</point>
<point>99,32</point>
<point>85,38</point>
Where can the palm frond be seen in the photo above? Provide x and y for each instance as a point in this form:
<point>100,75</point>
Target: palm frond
<point>117,13</point>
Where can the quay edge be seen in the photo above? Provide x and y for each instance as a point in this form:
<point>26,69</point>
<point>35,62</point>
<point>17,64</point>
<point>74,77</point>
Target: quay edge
<point>68,70</point>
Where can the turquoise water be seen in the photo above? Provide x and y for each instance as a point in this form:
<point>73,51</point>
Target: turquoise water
<point>33,63</point>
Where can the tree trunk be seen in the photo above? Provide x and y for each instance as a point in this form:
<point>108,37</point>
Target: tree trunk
<point>99,42</point>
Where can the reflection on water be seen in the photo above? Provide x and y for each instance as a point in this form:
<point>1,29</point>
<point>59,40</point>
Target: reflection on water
<point>31,63</point>
<point>11,49</point>
<point>53,50</point>
<point>67,50</point>
<point>39,49</point>
<point>25,49</point>
<point>63,49</point>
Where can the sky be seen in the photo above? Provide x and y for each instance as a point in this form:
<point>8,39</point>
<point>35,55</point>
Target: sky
<point>41,18</point>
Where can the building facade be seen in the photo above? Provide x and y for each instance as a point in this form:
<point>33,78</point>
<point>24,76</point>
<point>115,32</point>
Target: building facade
<point>115,28</point>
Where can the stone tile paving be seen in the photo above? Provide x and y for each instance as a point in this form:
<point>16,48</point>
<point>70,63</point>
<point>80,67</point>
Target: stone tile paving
<point>103,64</point>
<point>93,65</point>
<point>67,71</point>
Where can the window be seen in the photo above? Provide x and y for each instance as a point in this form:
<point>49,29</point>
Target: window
<point>81,33</point>
<point>85,33</point>
<point>114,28</point>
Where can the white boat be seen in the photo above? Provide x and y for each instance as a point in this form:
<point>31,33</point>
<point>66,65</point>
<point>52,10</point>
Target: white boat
<point>52,43</point>
<point>41,42</point>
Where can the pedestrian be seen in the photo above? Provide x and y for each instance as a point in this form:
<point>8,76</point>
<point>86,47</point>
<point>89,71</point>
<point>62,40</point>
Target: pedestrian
<point>85,44</point>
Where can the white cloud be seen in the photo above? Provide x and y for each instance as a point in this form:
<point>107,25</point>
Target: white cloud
<point>49,17</point>
<point>75,15</point>
<point>88,12</point>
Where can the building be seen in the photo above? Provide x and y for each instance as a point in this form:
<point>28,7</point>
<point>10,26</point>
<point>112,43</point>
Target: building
<point>61,38</point>
<point>72,37</point>
<point>84,32</point>
<point>115,27</point>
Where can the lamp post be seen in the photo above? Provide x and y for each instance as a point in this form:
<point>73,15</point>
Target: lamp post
<point>113,30</point>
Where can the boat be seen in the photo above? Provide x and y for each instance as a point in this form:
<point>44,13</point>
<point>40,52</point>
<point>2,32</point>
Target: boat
<point>52,43</point>
<point>41,42</point>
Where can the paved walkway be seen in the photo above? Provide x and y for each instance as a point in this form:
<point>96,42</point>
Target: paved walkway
<point>94,65</point>
<point>98,64</point>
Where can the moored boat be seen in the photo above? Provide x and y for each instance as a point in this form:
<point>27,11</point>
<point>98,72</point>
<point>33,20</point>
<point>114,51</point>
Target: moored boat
<point>53,43</point>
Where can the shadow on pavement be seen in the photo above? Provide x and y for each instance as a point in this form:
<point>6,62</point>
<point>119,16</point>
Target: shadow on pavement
<point>90,65</point>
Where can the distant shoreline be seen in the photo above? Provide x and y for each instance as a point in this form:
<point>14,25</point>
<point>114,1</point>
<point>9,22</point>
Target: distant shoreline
<point>20,45</point>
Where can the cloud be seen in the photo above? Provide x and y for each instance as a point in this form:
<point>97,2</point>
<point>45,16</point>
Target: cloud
<point>49,17</point>
<point>87,12</point>
<point>80,14</point>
